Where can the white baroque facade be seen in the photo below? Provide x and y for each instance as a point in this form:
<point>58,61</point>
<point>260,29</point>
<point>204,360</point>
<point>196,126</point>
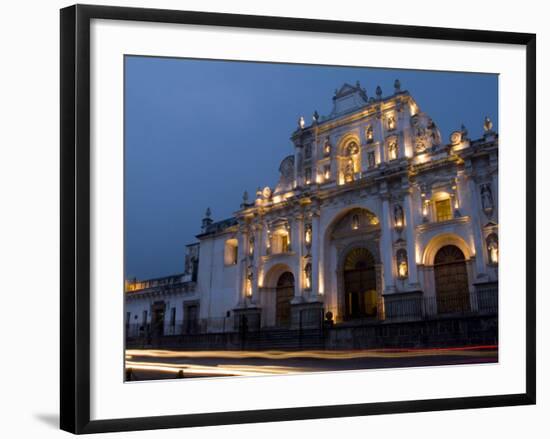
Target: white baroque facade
<point>374,217</point>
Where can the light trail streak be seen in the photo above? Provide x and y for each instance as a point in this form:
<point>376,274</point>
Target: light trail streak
<point>225,370</point>
<point>476,351</point>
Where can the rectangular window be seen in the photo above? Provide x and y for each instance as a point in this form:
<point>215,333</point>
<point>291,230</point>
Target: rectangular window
<point>307,152</point>
<point>173,317</point>
<point>443,210</point>
<point>144,318</point>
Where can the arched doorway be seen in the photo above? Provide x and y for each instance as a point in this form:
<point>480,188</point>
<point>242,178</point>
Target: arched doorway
<point>360,284</point>
<point>451,280</point>
<point>284,294</point>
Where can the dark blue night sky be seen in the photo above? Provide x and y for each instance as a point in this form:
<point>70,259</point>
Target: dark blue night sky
<point>199,133</point>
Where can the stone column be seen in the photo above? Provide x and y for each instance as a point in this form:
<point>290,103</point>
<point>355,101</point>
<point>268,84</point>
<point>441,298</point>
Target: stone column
<point>256,260</point>
<point>382,140</point>
<point>411,241</point>
<point>315,243</point>
<point>386,247</point>
<point>494,187</point>
<point>475,212</point>
<point>241,261</point>
<point>296,231</point>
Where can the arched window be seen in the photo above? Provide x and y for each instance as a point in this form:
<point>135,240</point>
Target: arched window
<point>231,251</point>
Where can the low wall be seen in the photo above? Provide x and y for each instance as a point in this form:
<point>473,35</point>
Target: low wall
<point>441,332</point>
<point>447,332</point>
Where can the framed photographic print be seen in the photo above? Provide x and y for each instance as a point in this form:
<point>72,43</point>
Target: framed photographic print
<point>305,218</point>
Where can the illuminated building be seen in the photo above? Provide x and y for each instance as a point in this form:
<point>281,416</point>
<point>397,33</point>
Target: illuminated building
<point>374,217</point>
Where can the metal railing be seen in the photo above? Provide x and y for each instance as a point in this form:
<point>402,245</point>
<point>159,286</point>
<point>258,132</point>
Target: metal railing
<point>199,326</point>
<point>483,300</point>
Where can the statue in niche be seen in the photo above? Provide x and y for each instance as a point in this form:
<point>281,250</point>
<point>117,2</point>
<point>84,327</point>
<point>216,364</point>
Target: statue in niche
<point>308,234</point>
<point>371,159</point>
<point>398,216</point>
<point>348,171</point>
<point>251,246</point>
<point>308,273</point>
<point>352,149</point>
<point>392,150</point>
<point>391,123</point>
<point>326,147</point>
<point>487,198</point>
<point>370,135</point>
<point>492,248</point>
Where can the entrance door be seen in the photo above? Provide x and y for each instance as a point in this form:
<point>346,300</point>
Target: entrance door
<point>157,321</point>
<point>451,280</point>
<point>360,284</point>
<point>191,319</point>
<point>285,293</point>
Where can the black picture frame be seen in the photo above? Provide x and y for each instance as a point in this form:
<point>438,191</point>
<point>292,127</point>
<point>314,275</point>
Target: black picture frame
<point>75,217</point>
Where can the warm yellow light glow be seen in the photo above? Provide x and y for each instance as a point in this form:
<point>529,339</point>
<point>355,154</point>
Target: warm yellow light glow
<point>391,123</point>
<point>308,234</point>
<point>493,252</point>
<point>261,279</point>
<point>418,254</point>
<point>425,207</point>
<point>392,150</point>
<point>354,222</point>
<point>248,287</point>
<point>327,174</point>
<point>403,269</point>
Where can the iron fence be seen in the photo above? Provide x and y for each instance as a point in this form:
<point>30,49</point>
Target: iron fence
<point>483,300</point>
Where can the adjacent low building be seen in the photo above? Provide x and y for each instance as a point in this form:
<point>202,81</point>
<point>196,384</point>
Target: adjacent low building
<point>374,218</point>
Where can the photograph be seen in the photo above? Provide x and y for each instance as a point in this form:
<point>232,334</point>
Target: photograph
<point>294,218</point>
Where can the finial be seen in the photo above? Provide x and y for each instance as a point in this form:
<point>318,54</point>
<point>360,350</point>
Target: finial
<point>208,212</point>
<point>397,85</point>
<point>378,92</point>
<point>358,84</point>
<point>487,125</point>
<point>464,130</point>
<point>301,122</point>
<point>245,197</point>
<point>315,117</point>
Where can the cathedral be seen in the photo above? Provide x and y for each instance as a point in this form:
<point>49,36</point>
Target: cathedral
<point>374,218</point>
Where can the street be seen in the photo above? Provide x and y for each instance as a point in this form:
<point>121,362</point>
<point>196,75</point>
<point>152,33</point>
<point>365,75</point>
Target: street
<point>150,364</point>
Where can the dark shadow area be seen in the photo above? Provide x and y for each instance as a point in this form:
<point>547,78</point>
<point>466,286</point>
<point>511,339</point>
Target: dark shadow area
<point>50,419</point>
